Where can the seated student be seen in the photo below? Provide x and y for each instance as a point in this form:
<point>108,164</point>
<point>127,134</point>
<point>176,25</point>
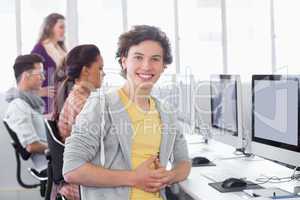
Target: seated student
<point>85,70</point>
<point>24,113</point>
<point>84,67</point>
<point>115,155</point>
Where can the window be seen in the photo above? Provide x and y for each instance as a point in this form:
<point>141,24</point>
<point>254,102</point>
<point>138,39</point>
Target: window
<point>156,13</point>
<point>287,32</point>
<point>33,12</point>
<point>248,37</point>
<point>200,32</point>
<point>100,23</point>
<point>8,45</point>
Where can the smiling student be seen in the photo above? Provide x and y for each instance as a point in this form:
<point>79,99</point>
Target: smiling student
<point>112,151</point>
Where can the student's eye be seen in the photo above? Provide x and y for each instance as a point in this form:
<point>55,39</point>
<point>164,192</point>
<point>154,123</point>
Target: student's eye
<point>138,57</point>
<point>156,59</point>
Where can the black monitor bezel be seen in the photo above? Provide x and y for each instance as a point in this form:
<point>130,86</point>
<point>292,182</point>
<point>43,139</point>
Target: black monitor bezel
<point>225,77</point>
<point>266,141</point>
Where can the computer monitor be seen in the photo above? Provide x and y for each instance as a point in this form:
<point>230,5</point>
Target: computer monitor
<point>275,123</point>
<point>226,109</point>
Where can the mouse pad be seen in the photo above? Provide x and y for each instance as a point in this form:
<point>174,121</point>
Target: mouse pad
<point>250,185</point>
<point>204,165</point>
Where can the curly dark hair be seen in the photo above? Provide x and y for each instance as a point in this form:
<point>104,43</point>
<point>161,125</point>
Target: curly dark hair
<point>139,34</point>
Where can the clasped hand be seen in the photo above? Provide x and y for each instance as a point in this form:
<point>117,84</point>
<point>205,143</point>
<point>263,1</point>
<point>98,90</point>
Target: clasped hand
<point>152,179</point>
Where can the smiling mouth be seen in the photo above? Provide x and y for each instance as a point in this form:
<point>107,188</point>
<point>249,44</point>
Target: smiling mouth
<point>145,77</point>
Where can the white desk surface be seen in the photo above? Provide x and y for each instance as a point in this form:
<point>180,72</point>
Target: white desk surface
<point>252,168</point>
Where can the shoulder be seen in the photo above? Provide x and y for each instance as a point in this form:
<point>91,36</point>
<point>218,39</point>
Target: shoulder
<point>38,48</point>
<point>94,103</point>
<point>18,108</point>
<point>164,106</point>
<point>18,104</point>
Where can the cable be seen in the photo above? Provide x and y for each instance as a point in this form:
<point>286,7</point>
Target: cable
<point>241,151</point>
<point>275,179</point>
<point>294,176</point>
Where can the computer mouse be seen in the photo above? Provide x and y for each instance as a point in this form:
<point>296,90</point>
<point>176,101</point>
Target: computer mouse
<point>199,160</point>
<point>233,183</point>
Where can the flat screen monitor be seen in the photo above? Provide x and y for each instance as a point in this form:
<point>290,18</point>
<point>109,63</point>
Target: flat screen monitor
<point>275,124</point>
<point>226,109</point>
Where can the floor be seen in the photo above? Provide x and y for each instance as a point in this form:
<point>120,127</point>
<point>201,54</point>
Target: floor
<point>34,194</point>
<point>20,194</point>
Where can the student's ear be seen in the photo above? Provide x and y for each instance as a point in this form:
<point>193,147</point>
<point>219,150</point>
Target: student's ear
<point>123,61</point>
<point>26,74</point>
<point>164,68</point>
<point>85,71</point>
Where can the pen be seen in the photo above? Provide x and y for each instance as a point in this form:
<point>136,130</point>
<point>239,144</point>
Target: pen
<point>156,163</point>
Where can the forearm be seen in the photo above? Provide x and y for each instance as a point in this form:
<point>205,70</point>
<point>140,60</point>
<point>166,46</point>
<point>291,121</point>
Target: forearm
<point>180,171</point>
<point>96,176</point>
<point>37,147</point>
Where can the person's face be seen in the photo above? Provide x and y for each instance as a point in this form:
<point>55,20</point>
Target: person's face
<point>35,77</point>
<point>59,30</point>
<point>96,73</point>
<point>144,64</point>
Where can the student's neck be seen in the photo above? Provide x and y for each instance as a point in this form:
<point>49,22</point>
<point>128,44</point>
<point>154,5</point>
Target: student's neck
<point>24,88</point>
<point>50,40</point>
<point>139,97</point>
<point>85,85</point>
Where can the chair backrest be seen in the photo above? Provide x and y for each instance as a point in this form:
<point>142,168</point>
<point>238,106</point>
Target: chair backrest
<point>56,149</point>
<point>16,143</point>
<point>20,151</point>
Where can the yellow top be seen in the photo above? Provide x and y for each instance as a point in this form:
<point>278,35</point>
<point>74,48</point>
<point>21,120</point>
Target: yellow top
<point>146,139</point>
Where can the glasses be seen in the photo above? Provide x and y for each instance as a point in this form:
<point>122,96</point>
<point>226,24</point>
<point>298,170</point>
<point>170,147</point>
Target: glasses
<point>42,74</point>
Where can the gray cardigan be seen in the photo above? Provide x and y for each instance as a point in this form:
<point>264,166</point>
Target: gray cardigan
<point>84,143</point>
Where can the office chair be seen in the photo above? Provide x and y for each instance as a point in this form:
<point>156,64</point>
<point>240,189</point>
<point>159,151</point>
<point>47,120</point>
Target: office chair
<point>20,151</point>
<point>55,157</point>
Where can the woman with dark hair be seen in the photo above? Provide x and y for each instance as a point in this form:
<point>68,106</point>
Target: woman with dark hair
<point>84,74</point>
<point>84,68</point>
<point>51,47</point>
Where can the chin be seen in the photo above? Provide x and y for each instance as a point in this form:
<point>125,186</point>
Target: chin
<point>145,85</point>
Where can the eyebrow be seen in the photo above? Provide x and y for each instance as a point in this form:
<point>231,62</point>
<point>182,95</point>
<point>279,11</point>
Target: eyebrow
<point>141,54</point>
<point>137,53</point>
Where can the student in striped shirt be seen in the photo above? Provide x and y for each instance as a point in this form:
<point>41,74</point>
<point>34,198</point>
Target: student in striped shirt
<point>84,67</point>
<point>85,72</point>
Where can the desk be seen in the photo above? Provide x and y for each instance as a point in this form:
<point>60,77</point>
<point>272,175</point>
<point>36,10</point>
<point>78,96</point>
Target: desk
<point>197,186</point>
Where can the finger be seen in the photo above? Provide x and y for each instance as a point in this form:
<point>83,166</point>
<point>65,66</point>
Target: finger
<point>154,184</point>
<point>159,173</point>
<point>166,180</point>
<point>157,163</point>
<point>51,90</point>
<point>151,190</point>
<point>150,160</point>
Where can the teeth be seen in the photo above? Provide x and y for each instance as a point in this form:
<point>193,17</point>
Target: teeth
<point>145,76</point>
